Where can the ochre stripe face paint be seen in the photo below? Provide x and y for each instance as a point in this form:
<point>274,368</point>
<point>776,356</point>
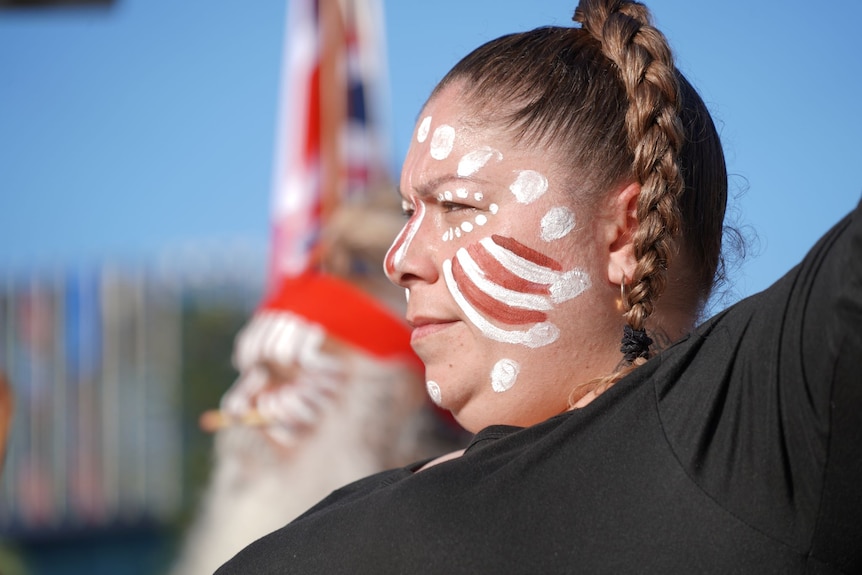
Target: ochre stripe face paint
<point>503,275</point>
<point>525,253</point>
<point>491,306</point>
<point>538,335</point>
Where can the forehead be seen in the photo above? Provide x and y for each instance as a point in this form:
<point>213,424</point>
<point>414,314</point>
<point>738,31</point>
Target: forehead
<point>455,139</point>
<point>467,118</point>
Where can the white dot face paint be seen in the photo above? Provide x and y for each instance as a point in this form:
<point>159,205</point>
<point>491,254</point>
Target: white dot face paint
<point>434,391</point>
<point>464,228</point>
<point>424,127</point>
<point>529,186</point>
<point>504,374</point>
<point>473,161</point>
<point>557,223</point>
<point>500,233</point>
<point>442,142</point>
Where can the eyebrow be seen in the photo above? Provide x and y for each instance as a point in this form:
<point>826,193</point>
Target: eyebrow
<point>427,189</point>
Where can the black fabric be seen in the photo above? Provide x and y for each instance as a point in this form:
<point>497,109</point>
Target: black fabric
<point>737,450</point>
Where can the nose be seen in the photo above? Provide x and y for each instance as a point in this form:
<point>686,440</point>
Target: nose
<point>408,260</point>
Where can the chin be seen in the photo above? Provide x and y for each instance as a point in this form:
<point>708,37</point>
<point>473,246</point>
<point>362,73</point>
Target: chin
<point>476,415</point>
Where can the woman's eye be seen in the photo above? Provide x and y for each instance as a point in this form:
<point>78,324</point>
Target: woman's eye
<point>455,206</point>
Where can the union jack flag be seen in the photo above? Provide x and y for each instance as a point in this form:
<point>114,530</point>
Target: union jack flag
<point>329,147</point>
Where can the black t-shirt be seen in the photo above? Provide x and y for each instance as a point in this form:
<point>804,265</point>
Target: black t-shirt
<point>738,449</point>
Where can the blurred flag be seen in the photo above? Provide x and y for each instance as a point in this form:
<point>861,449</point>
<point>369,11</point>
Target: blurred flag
<point>365,153</point>
<point>329,147</point>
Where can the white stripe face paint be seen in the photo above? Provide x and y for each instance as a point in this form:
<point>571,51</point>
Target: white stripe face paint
<point>519,266</point>
<point>424,128</point>
<point>504,374</point>
<point>442,142</point>
<point>473,161</point>
<point>563,285</point>
<point>509,297</point>
<point>570,285</point>
<point>398,251</point>
<point>557,223</point>
<point>538,335</point>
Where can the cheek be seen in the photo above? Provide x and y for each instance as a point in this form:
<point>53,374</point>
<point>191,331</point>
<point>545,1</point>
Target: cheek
<point>507,289</point>
<point>496,290</point>
<point>505,280</point>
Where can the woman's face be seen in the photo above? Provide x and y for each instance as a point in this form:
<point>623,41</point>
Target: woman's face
<point>500,271</point>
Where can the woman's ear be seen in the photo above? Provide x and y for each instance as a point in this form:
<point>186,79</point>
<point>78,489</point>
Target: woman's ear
<point>622,223</point>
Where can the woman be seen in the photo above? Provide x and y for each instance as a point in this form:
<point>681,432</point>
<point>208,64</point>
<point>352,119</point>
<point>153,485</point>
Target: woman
<point>566,187</point>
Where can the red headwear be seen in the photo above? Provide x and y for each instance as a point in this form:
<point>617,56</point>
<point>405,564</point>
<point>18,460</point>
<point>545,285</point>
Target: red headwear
<point>346,313</point>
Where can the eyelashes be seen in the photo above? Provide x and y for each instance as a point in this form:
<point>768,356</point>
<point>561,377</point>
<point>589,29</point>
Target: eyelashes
<point>456,207</point>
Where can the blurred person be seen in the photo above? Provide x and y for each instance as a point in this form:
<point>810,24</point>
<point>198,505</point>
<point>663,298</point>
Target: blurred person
<point>6,411</point>
<point>328,391</point>
<point>10,559</point>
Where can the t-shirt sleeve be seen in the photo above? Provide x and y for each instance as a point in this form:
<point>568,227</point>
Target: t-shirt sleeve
<point>762,403</point>
<point>832,348</point>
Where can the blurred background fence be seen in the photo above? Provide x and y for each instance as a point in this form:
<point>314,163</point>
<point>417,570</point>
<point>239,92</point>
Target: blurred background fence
<point>111,367</point>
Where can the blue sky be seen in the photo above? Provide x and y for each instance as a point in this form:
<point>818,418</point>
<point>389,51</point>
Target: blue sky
<point>149,128</point>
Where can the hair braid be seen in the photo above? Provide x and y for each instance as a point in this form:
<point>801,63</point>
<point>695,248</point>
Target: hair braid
<point>655,136</point>
<point>605,96</point>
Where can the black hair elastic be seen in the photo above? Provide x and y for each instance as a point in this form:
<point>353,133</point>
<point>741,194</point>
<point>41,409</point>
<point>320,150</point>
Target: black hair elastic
<point>635,344</point>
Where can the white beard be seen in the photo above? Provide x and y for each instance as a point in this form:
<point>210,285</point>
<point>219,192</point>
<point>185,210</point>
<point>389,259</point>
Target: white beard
<point>256,486</point>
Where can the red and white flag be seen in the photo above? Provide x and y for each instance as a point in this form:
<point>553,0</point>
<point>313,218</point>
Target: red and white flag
<point>329,147</point>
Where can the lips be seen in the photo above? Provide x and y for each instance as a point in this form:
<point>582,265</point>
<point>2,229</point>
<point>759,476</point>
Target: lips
<point>425,326</point>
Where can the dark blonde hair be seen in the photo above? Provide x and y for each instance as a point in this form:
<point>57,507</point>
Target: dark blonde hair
<point>609,97</point>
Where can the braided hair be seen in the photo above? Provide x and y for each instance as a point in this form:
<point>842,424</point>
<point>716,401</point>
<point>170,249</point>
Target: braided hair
<point>608,94</point>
